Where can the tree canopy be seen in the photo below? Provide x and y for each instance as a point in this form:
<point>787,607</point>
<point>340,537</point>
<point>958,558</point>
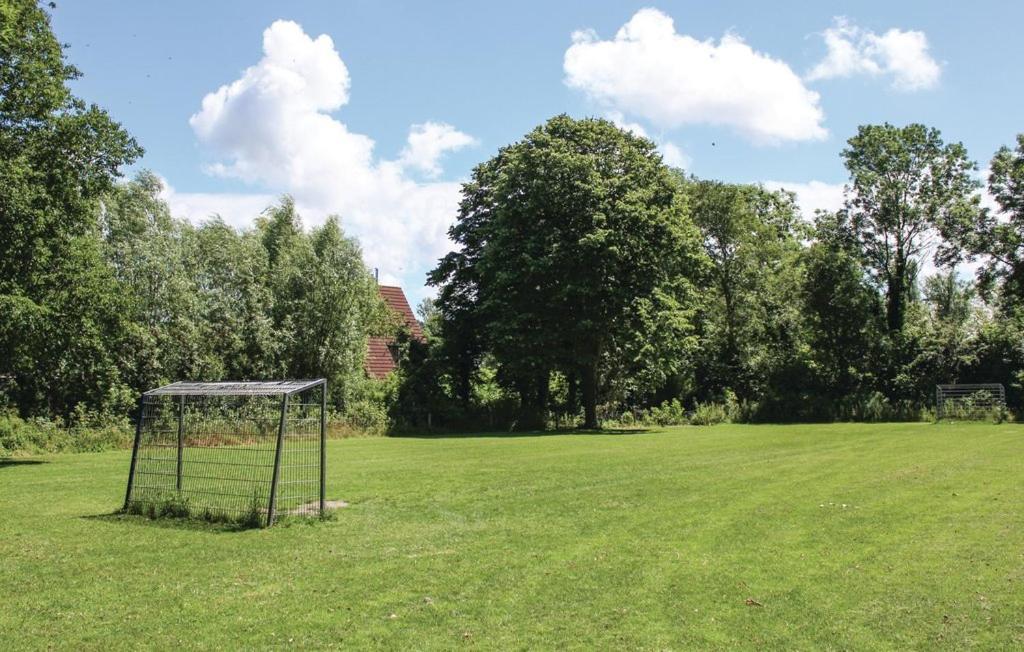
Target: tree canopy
<point>59,309</point>
<point>904,183</point>
<point>577,255</point>
<point>996,237</point>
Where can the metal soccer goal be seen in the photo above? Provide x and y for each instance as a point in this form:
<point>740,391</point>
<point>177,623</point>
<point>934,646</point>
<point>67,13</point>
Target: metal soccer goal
<point>970,401</point>
<point>232,451</point>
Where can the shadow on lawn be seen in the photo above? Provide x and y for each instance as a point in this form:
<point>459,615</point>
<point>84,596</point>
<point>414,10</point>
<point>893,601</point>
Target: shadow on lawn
<point>12,462</point>
<point>514,435</point>
<point>168,523</point>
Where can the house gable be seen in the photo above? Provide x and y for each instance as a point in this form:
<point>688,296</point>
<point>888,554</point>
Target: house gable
<point>380,354</point>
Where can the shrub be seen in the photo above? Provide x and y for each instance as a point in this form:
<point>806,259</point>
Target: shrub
<point>669,413</point>
<point>368,416</point>
<point>85,432</point>
<point>708,414</point>
<point>368,407</point>
<point>875,408</point>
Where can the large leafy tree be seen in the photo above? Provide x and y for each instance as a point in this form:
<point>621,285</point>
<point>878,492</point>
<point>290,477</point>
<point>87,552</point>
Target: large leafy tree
<point>324,300</point>
<point>237,335</point>
<point>950,330</point>
<point>150,255</point>
<point>842,311</point>
<point>59,308</point>
<point>750,325</point>
<point>996,236</point>
<point>576,255</point>
<point>57,155</point>
<point>904,183</point>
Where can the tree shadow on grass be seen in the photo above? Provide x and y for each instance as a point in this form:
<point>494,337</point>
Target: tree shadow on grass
<point>19,462</point>
<point>504,434</point>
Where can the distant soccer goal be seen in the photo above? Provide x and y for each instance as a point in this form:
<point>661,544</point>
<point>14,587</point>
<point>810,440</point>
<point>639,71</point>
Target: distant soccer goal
<point>978,401</point>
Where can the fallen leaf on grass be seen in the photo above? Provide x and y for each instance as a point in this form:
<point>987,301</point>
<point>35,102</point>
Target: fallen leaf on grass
<point>751,602</point>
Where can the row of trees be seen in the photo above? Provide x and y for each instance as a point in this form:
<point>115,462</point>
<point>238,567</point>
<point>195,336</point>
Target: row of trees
<point>590,274</point>
<point>147,299</point>
<point>103,294</point>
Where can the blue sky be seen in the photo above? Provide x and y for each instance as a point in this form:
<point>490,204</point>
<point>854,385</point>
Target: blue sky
<point>380,122</point>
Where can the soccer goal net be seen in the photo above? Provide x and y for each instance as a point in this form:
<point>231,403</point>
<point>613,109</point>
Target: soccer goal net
<point>970,401</point>
<point>234,451</point>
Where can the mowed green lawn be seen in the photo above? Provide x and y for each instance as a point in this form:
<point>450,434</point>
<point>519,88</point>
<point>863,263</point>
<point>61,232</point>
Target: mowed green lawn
<point>893,536</point>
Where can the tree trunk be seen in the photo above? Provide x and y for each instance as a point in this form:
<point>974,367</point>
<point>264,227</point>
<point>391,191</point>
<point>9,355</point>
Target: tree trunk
<point>895,308</point>
<point>533,402</point>
<point>589,382</point>
<point>571,398</point>
<point>465,382</point>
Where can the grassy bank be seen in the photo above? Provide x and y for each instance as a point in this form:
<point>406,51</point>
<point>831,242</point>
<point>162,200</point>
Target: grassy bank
<point>782,537</point>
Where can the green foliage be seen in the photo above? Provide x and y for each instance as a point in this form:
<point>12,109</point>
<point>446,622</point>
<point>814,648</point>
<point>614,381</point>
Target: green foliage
<point>979,406</point>
<point>430,316</point>
<point>673,413</point>
<point>60,312</point>
<point>842,312</point>
<point>103,294</point>
<point>750,327</point>
<point>184,302</point>
<point>904,182</point>
<point>669,413</point>
<point>996,237</point>
<point>173,507</point>
<point>587,274</point>
<point>370,405</point>
<point>85,432</point>
<point>948,332</point>
<point>708,414</point>
<point>178,507</point>
<point>802,322</point>
<point>576,255</point>
<point>325,302</point>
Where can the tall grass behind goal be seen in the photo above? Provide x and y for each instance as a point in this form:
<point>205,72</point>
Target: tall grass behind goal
<point>242,452</point>
<point>983,401</point>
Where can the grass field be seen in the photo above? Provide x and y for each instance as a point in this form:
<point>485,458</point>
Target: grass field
<point>898,536</point>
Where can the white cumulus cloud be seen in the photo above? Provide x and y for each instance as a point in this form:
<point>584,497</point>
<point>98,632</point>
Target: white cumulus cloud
<point>902,55</point>
<point>648,70</point>
<point>674,156</point>
<point>273,127</point>
<point>812,196</point>
<point>428,142</point>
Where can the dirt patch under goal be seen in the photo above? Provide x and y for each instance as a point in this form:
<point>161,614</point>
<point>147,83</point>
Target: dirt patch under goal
<point>314,507</point>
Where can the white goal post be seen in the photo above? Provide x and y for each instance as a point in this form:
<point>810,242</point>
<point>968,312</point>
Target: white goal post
<point>970,401</point>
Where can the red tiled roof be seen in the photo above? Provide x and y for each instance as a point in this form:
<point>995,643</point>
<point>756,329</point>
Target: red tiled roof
<point>396,300</point>
<point>379,361</point>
